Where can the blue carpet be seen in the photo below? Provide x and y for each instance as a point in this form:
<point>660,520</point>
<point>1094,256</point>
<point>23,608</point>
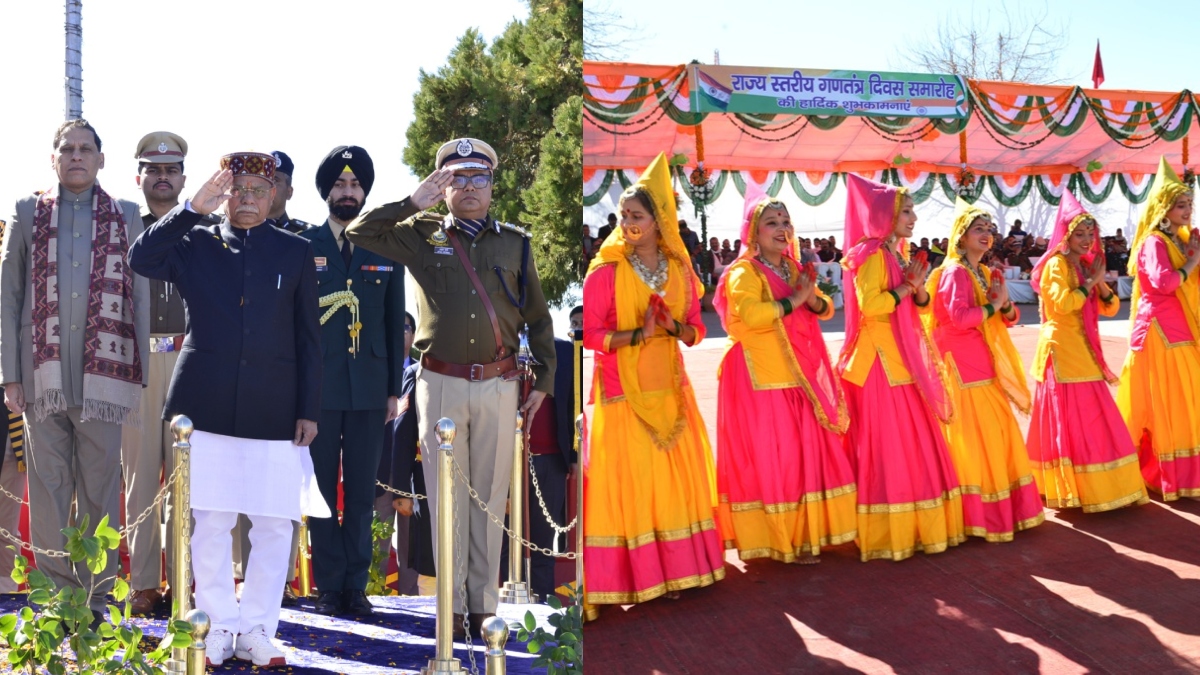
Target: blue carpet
<point>398,639</point>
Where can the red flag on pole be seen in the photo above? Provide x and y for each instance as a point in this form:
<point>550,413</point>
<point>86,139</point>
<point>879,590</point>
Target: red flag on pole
<point>1097,69</point>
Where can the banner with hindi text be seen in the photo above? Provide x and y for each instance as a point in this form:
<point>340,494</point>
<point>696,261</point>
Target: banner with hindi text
<point>788,91</point>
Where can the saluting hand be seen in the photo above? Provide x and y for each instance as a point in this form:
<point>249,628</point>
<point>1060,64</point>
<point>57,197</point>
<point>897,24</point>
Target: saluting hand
<point>306,431</point>
<point>433,189</point>
<point>213,193</point>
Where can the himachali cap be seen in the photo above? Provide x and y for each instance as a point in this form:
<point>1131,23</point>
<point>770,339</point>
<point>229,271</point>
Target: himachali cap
<point>283,163</point>
<point>161,147</point>
<point>250,164</point>
<point>466,153</point>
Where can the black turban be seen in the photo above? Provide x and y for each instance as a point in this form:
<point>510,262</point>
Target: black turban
<point>340,159</point>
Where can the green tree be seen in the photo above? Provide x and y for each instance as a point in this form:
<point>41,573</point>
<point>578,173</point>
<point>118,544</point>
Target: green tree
<point>554,203</point>
<point>509,95</point>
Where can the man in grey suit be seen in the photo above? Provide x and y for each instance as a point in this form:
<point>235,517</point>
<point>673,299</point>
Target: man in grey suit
<point>73,318</point>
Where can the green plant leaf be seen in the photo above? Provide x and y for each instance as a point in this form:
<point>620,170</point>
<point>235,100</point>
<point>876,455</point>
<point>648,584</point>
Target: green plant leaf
<point>554,602</point>
<point>530,621</point>
<point>534,646</point>
<point>120,589</point>
<point>39,597</point>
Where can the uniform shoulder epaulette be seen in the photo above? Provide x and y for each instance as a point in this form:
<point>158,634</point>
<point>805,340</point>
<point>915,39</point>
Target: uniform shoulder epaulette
<point>210,219</point>
<point>519,230</point>
<point>303,223</point>
<point>425,218</point>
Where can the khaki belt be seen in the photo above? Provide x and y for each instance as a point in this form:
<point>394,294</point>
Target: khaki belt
<point>166,344</point>
<point>475,372</point>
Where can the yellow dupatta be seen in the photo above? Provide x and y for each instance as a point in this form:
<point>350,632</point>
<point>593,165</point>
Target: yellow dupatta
<point>1006,361</point>
<point>650,373</point>
<point>1167,188</point>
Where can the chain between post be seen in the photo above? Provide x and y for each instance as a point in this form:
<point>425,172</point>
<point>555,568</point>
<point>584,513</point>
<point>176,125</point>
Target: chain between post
<point>500,521</point>
<point>394,491</point>
<point>537,489</point>
<point>26,546</point>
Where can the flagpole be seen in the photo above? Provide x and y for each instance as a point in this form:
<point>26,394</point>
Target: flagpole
<point>74,59</point>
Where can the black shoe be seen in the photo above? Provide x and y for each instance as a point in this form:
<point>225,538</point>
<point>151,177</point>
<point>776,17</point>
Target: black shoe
<point>356,603</point>
<point>289,596</point>
<point>329,603</point>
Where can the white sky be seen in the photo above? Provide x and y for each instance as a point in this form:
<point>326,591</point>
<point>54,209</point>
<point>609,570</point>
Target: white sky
<point>1143,48</point>
<point>230,75</point>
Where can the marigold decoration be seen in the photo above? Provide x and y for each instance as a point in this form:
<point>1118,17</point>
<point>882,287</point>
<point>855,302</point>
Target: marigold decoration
<point>1189,177</point>
<point>966,178</point>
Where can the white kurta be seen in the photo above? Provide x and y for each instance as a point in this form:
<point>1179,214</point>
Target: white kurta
<point>255,477</point>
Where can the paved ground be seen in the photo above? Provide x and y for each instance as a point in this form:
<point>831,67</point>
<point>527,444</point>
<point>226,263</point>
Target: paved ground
<point>1108,593</point>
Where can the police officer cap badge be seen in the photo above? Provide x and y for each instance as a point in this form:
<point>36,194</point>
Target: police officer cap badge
<point>465,148</point>
<point>347,155</point>
<point>162,147</point>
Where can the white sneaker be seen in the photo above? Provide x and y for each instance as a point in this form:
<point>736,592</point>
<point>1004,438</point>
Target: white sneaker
<point>256,647</point>
<point>218,646</point>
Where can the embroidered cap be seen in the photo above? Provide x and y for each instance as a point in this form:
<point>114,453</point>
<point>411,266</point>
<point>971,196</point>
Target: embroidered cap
<point>250,164</point>
<point>466,153</point>
<point>161,147</point>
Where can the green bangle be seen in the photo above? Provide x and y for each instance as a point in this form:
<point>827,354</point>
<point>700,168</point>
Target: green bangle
<point>1106,300</point>
<point>818,312</point>
<point>921,304</point>
<point>636,338</point>
<point>678,329</point>
<point>1007,308</point>
<point>990,309</point>
<point>787,306</point>
<point>1183,272</point>
<point>895,296</point>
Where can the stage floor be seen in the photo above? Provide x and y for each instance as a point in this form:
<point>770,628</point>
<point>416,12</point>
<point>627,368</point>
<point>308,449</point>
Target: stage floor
<point>398,639</point>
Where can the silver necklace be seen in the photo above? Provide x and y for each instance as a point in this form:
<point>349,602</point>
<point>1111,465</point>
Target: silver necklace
<point>784,272</point>
<point>656,280</point>
<point>978,274</point>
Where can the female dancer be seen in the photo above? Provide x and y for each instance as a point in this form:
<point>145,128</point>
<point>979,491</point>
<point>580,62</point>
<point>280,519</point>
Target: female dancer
<point>784,480</point>
<point>1080,450</point>
<point>908,495</point>
<point>1159,395</point>
<point>650,489</point>
<point>972,313</point>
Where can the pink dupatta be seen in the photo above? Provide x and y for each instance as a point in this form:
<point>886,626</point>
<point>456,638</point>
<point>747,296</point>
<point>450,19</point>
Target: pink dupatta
<point>871,210</point>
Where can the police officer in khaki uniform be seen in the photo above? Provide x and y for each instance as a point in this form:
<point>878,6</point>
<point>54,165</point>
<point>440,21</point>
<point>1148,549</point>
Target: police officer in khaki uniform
<point>147,449</point>
<point>477,288</point>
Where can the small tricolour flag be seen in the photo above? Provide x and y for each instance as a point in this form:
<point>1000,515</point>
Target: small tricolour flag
<point>714,92</point>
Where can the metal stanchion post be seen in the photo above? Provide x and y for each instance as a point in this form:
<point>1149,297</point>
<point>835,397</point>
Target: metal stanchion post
<point>515,591</point>
<point>579,510</point>
<point>305,574</point>
<point>495,634</point>
<point>195,651</point>
<point>444,662</point>
<point>181,543</point>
